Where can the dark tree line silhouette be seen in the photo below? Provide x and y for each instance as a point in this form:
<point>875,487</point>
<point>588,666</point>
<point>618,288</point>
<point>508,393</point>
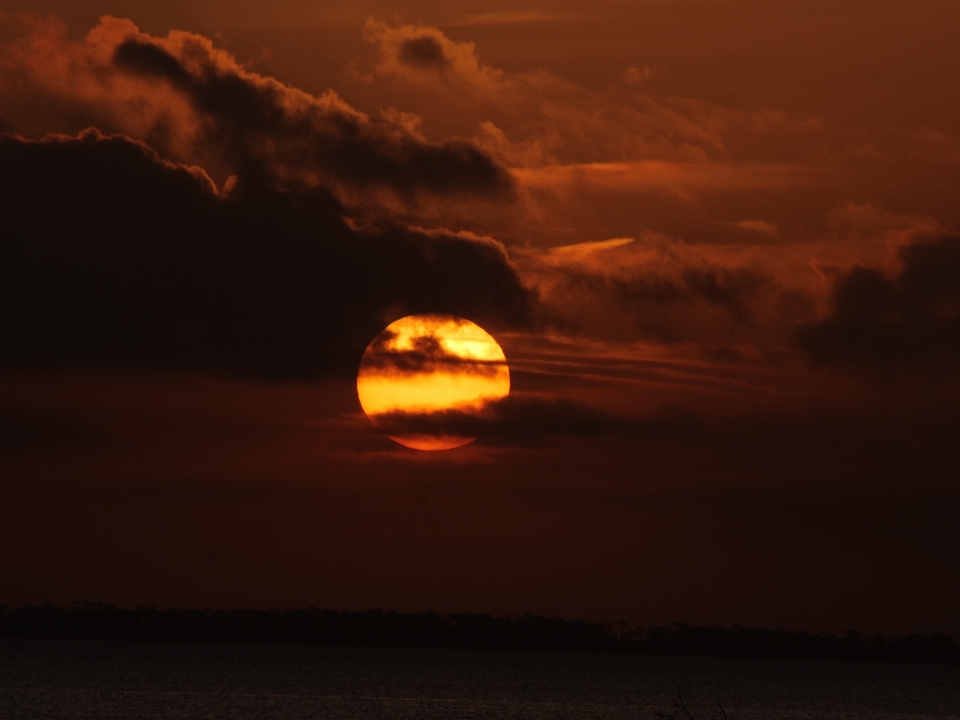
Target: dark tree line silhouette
<point>377,628</point>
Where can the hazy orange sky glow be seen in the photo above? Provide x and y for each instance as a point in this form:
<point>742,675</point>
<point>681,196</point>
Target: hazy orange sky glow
<point>718,242</point>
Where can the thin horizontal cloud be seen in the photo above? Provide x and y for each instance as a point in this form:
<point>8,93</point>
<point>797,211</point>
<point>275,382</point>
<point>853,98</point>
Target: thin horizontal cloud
<point>505,17</point>
<point>756,226</point>
<point>523,418</point>
<point>585,249</point>
<point>639,376</point>
<point>427,354</point>
<point>680,179</point>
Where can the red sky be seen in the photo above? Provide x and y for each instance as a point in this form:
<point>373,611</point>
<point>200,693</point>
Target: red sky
<point>718,242</point>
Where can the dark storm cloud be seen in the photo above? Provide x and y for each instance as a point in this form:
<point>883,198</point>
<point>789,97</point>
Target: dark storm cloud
<point>427,355</point>
<point>270,132</point>
<point>113,257</point>
<point>908,324</point>
<point>521,418</point>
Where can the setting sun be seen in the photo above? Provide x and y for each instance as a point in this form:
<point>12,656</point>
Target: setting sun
<point>427,366</point>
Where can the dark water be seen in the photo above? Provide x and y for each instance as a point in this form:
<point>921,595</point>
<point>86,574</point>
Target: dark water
<point>102,680</point>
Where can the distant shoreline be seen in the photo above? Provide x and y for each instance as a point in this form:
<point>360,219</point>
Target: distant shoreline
<point>378,628</point>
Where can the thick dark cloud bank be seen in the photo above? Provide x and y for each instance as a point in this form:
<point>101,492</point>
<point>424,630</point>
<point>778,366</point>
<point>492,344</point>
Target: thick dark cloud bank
<point>113,257</point>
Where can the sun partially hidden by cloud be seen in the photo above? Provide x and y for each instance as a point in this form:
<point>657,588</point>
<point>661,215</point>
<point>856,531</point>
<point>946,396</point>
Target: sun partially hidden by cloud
<point>426,364</point>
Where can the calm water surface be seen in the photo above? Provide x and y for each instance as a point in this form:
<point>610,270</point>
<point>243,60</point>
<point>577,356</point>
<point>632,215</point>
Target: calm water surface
<point>70,680</point>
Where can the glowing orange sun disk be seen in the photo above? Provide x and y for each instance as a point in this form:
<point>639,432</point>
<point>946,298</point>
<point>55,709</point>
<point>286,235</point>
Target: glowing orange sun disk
<point>424,364</point>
